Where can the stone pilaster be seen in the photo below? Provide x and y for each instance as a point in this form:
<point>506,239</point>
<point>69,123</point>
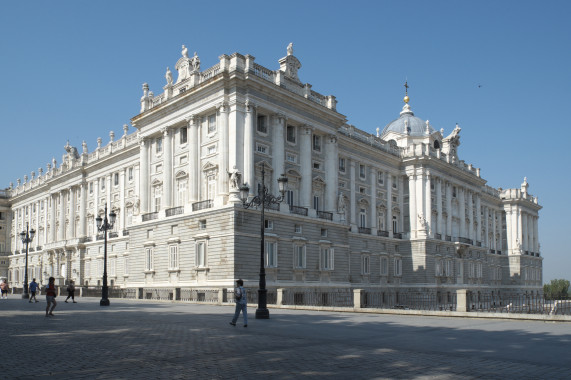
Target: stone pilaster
<point>306,166</point>
<point>144,186</point>
<point>331,173</point>
<point>278,154</point>
<point>193,160</point>
<point>167,168</point>
<point>249,127</point>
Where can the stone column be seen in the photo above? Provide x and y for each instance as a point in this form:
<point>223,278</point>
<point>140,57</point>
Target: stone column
<point>167,169</point>
<point>352,196</point>
<point>500,244</point>
<point>462,212</point>
<point>535,223</point>
<point>193,160</point>
<point>71,227</point>
<point>470,216</point>
<point>61,207</point>
<point>478,219</point>
<point>524,232</point>
<point>145,145</point>
<point>400,180</point>
<point>448,209</point>
<point>249,170</point>
<point>486,239</point>
<point>53,218</point>
<point>122,213</point>
<point>82,209</point>
<point>390,204</point>
<point>438,184</point>
<point>278,154</point>
<point>427,203</point>
<point>306,166</point>
<point>493,244</point>
<point>331,173</point>
<point>412,197</point>
<point>373,204</point>
<point>16,240</point>
<point>223,152</point>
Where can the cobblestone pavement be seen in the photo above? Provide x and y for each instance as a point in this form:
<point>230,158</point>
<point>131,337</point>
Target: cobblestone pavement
<point>164,340</point>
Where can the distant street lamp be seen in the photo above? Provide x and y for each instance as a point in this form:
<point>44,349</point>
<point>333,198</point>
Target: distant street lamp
<point>264,198</point>
<point>104,225</point>
<point>27,237</point>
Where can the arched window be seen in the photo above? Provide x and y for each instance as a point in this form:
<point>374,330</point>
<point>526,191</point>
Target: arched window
<point>436,144</point>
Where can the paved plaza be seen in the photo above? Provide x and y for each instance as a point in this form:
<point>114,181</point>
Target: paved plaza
<point>135,339</point>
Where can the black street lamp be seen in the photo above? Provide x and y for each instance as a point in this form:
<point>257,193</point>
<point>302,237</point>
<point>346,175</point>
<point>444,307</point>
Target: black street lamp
<point>104,225</point>
<point>27,237</point>
<point>264,198</point>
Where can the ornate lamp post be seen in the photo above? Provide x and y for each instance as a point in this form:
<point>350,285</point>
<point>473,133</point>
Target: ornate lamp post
<point>104,225</point>
<point>264,198</point>
<point>27,237</point>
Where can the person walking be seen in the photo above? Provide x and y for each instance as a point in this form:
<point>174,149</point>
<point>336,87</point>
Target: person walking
<point>71,291</point>
<point>4,287</point>
<point>51,297</point>
<point>241,303</point>
<point>33,289</point>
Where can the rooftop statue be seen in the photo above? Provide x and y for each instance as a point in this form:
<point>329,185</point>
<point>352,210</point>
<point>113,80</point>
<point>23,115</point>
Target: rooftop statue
<point>290,49</point>
<point>184,51</point>
<point>168,76</point>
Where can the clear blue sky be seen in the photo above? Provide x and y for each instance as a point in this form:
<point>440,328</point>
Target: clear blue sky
<point>74,69</point>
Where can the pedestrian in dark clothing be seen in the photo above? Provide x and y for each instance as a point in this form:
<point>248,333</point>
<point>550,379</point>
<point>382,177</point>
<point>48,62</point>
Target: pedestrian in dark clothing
<point>51,296</point>
<point>71,292</point>
<point>241,303</point>
<point>33,289</point>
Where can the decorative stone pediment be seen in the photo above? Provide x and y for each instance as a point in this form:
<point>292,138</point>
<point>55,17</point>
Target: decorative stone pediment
<point>289,65</point>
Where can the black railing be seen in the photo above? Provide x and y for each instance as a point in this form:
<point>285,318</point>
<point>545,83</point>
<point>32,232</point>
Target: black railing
<point>202,205</point>
<point>325,215</point>
<point>383,233</point>
<point>298,210</point>
<point>397,235</point>
<point>150,216</point>
<point>448,238</point>
<point>493,251</point>
<point>125,232</point>
<point>174,211</point>
<point>273,206</point>
<point>365,230</point>
<point>31,249</point>
<point>465,240</point>
<point>113,234</point>
<point>100,237</point>
<point>478,243</point>
<point>39,248</point>
<point>438,236</point>
<point>87,239</point>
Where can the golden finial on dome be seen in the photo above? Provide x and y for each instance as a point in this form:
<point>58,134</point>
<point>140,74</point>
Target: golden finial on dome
<point>406,98</point>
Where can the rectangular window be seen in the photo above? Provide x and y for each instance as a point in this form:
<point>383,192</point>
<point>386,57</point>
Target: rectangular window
<point>130,174</point>
<point>398,267</point>
<point>381,178</point>
<point>261,148</point>
<point>297,228</point>
<point>149,259</point>
<point>116,179</point>
<point>271,254</point>
<point>326,258</point>
<point>289,197</point>
<point>365,265</point>
<point>126,265</point>
<point>183,160</point>
<point>211,149</point>
<point>324,232</point>
<point>317,143</point>
<point>173,257</point>
<point>290,135</point>
<point>384,266</point>
<point>363,218</point>
<point>183,134</point>
<point>268,224</point>
<point>201,254</point>
<point>341,164</point>
<point>362,171</point>
<point>202,224</point>
<point>395,185</point>
<point>174,229</point>
<point>158,168</point>
<point>299,256</point>
<point>159,145</point>
<point>262,125</point>
<point>212,123</point>
<point>102,185</point>
<point>316,202</point>
<point>158,194</point>
<point>290,157</point>
<point>90,187</point>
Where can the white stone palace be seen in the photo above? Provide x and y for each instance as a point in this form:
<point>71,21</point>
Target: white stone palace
<point>398,210</point>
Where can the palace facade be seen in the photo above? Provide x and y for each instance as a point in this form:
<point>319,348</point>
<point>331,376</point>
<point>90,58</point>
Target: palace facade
<point>397,209</point>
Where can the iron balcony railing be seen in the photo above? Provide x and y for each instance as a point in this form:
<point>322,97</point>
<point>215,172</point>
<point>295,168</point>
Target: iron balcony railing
<point>174,211</point>
<point>202,205</point>
<point>298,210</point>
<point>397,235</point>
<point>325,215</point>
<point>383,233</point>
<point>113,234</point>
<point>365,230</point>
<point>150,216</point>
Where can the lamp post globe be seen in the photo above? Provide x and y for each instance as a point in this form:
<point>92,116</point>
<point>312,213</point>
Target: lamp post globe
<point>27,237</point>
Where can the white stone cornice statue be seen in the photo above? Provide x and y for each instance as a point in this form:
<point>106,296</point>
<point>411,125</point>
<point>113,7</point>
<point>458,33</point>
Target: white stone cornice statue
<point>195,63</point>
<point>290,49</point>
<point>184,51</point>
<point>235,177</point>
<point>168,77</point>
<point>422,221</point>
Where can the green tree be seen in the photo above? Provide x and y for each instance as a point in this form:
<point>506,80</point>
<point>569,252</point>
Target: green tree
<point>556,290</point>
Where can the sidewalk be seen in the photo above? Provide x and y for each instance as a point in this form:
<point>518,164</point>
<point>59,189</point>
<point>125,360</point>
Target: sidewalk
<point>134,339</point>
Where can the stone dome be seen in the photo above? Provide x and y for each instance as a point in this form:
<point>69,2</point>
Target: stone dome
<point>407,121</point>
